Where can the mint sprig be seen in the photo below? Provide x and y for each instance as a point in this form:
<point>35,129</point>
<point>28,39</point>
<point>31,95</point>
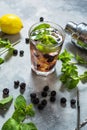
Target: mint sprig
<point>22,110</point>
<point>70,76</point>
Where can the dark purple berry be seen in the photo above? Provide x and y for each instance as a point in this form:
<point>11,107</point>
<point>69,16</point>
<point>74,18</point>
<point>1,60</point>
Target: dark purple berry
<point>41,19</point>
<point>22,85</point>
<point>15,52</point>
<point>52,99</point>
<point>26,40</point>
<point>33,95</point>
<point>46,88</point>
<point>53,93</point>
<point>40,107</point>
<point>16,83</point>
<point>5,91</point>
<point>35,100</point>
<point>44,94</point>
<point>58,39</point>
<point>44,102</point>
<point>63,100</point>
<point>21,53</point>
<point>73,101</point>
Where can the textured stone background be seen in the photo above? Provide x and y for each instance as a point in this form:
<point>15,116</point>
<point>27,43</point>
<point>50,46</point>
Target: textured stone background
<point>54,117</point>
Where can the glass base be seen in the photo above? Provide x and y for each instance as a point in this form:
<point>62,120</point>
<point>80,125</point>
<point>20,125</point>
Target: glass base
<point>43,73</point>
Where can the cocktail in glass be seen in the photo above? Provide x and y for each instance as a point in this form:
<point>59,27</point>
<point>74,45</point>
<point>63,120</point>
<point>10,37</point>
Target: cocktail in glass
<point>46,40</point>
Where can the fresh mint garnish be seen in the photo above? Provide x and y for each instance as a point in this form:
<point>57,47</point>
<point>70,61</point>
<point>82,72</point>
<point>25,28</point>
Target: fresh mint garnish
<point>43,25</point>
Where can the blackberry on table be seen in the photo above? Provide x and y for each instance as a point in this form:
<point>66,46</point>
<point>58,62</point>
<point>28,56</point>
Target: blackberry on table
<point>73,101</point>
<point>27,40</point>
<point>6,91</point>
<point>15,52</point>
<point>35,101</point>
<point>44,102</point>
<point>16,83</point>
<point>21,53</point>
<point>46,88</point>
<point>33,95</point>
<point>53,93</point>
<point>22,85</point>
<point>44,94</point>
<point>41,19</point>
<point>52,99</point>
<point>63,100</point>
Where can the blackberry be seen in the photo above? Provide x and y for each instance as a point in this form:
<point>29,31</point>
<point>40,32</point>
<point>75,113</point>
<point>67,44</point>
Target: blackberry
<point>33,95</point>
<point>35,100</point>
<point>22,85</point>
<point>52,99</point>
<point>63,100</point>
<point>40,107</point>
<point>53,93</point>
<point>21,53</point>
<point>16,83</point>
<point>44,102</point>
<point>15,52</point>
<point>6,91</point>
<point>46,88</point>
<point>27,40</point>
<point>73,101</point>
<point>41,19</point>
<point>44,94</point>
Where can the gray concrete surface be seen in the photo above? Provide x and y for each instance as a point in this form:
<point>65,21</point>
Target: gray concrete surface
<point>54,116</point>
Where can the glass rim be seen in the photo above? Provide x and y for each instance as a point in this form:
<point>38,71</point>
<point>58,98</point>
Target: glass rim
<point>62,33</point>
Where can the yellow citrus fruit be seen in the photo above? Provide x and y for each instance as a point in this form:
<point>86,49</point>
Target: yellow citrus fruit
<point>10,24</point>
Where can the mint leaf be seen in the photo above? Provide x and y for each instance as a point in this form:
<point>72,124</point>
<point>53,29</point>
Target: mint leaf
<point>6,100</point>
<point>28,126</point>
<point>44,25</point>
<point>1,60</point>
<point>19,115</point>
<point>10,124</point>
<point>80,60</point>
<point>65,56</point>
<point>20,102</point>
<point>83,77</point>
<point>29,110</point>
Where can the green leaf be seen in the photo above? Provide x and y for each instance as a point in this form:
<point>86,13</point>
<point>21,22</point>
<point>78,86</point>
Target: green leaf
<point>65,56</point>
<point>80,60</point>
<point>83,77</point>
<point>19,115</point>
<point>10,124</point>
<point>44,25</point>
<point>6,100</point>
<point>28,126</point>
<point>20,102</point>
<point>72,83</point>
<point>29,110</point>
<point>1,61</point>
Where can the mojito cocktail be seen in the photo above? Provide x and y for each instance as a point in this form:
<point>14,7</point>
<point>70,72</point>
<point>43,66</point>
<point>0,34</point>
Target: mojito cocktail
<point>46,41</point>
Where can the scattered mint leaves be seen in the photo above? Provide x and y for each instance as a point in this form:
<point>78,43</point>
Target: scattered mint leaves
<point>20,102</point>
<point>80,60</point>
<point>19,115</point>
<point>1,61</point>
<point>29,110</point>
<point>28,126</point>
<point>11,124</point>
<point>21,111</point>
<point>6,100</point>
<point>70,76</point>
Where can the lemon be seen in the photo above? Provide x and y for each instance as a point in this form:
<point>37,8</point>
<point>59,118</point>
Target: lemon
<point>10,24</point>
